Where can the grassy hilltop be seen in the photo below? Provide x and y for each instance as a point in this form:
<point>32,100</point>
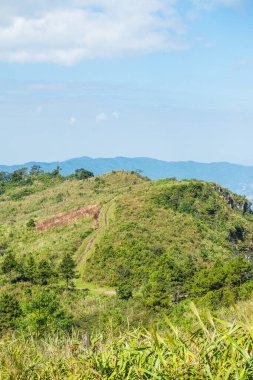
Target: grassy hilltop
<point>115,254</point>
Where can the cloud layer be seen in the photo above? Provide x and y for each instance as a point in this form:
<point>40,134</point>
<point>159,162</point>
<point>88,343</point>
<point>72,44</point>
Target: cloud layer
<point>71,30</point>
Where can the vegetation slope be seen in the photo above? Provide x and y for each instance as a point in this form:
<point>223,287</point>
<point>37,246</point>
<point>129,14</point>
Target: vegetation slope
<point>125,254</point>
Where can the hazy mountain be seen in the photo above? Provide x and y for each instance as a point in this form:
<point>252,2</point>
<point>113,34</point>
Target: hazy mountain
<point>237,178</point>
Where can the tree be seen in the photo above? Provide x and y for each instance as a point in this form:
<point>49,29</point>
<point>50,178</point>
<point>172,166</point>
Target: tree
<point>18,175</point>
<point>9,264</point>
<point>156,292</point>
<point>44,314</point>
<point>83,174</point>
<point>124,291</point>
<point>45,272</point>
<point>67,268</point>
<point>222,275</point>
<point>4,176</point>
<point>56,171</point>
<point>35,170</point>
<point>9,311</point>
<point>31,223</point>
<point>30,270</point>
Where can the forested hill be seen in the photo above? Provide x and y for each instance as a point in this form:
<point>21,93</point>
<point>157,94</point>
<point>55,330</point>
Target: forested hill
<point>237,178</point>
<point>162,239</point>
<point>88,264</point>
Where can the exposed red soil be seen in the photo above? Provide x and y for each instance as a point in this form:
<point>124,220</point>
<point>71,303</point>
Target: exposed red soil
<point>69,217</point>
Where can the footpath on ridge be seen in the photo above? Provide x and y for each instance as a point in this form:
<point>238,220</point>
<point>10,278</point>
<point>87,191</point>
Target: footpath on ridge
<point>102,223</point>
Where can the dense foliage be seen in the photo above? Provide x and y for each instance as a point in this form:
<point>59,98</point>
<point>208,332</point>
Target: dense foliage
<point>175,240</point>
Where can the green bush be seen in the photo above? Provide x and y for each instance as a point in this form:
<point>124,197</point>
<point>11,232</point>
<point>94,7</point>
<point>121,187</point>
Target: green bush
<point>125,291</point>
<point>10,310</point>
<point>44,315</point>
<point>31,223</point>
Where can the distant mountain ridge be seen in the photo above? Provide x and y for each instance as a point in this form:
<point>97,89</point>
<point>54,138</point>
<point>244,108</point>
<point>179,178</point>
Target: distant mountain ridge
<point>237,178</point>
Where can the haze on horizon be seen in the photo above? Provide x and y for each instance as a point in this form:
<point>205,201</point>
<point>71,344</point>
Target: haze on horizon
<point>169,79</point>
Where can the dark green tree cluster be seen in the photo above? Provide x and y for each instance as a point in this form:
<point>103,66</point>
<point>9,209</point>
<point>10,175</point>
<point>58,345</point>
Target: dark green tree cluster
<point>33,179</point>
<point>82,174</point>
<point>222,275</point>
<point>42,272</point>
<point>41,314</point>
<point>10,310</point>
<point>21,174</point>
<point>25,175</point>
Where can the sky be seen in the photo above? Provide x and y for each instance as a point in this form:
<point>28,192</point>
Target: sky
<point>168,79</point>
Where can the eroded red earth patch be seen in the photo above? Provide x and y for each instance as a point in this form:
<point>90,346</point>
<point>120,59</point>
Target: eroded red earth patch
<point>69,217</point>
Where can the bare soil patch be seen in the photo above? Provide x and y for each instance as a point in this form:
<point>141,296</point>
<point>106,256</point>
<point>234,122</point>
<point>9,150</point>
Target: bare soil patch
<point>69,217</point>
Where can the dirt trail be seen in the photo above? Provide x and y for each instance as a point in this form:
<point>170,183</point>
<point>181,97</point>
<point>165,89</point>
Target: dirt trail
<point>109,292</point>
<point>106,292</point>
<point>87,249</point>
<point>94,238</point>
<point>69,217</point>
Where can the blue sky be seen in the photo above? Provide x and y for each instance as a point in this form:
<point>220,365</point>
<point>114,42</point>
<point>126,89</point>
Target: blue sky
<point>170,79</point>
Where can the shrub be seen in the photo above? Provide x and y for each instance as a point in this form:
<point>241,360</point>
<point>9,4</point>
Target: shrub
<point>125,291</point>
<point>31,223</point>
<point>9,311</point>
<point>44,315</point>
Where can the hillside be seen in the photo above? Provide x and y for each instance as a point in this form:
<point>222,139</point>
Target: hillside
<point>237,178</point>
<point>167,237</point>
<point>86,266</point>
<point>47,198</point>
<point>128,232</point>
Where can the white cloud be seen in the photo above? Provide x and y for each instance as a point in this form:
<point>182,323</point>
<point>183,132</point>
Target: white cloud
<point>115,115</point>
<point>101,116</point>
<point>68,31</point>
<point>72,120</point>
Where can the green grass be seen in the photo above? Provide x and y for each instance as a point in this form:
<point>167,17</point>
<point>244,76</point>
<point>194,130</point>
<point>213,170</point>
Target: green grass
<point>215,349</point>
<point>93,288</point>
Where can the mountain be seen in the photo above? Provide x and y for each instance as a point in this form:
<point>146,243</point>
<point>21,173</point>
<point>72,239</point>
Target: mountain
<point>86,264</point>
<point>125,230</point>
<point>237,178</point>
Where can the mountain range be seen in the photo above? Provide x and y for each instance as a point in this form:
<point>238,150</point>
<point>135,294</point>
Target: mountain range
<point>237,178</point>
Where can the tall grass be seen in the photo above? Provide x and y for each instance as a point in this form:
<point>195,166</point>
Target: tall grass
<point>216,349</point>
